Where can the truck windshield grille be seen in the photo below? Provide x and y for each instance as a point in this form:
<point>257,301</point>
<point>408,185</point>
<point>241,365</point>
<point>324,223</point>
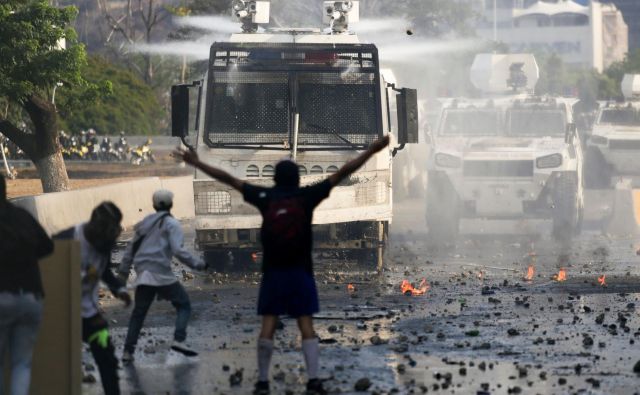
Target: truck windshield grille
<point>255,92</point>
<point>249,107</point>
<point>497,168</point>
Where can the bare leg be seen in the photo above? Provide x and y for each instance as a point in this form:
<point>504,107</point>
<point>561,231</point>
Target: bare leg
<point>269,323</point>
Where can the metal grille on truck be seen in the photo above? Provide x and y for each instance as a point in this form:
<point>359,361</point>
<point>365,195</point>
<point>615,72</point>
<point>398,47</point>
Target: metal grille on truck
<point>212,202</point>
<point>498,168</point>
<point>250,90</point>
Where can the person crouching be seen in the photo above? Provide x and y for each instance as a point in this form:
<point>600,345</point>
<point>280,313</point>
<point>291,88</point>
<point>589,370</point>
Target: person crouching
<point>158,238</point>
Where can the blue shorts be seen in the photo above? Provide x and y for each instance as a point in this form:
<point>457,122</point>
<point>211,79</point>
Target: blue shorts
<point>288,292</point>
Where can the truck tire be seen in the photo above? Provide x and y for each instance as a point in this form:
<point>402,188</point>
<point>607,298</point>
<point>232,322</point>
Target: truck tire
<point>597,173</point>
<point>443,212</point>
<point>567,212</point>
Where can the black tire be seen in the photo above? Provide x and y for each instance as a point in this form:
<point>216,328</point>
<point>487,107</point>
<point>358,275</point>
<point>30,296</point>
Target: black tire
<point>597,173</point>
<point>443,210</point>
<point>567,212</point>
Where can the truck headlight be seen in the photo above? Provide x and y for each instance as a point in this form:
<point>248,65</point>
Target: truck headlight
<point>549,161</point>
<point>446,160</point>
<point>598,140</point>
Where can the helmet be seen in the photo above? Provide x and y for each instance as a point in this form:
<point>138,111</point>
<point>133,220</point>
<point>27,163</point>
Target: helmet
<point>122,133</point>
<point>162,199</point>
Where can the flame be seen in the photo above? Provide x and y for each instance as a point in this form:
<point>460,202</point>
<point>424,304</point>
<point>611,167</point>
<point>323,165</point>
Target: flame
<point>561,276</point>
<point>407,288</point>
<point>602,281</point>
<point>254,257</point>
<point>530,272</point>
<point>351,288</point>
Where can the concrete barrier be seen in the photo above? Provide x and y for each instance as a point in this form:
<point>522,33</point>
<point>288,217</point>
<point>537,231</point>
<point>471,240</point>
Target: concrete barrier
<point>59,211</point>
<point>182,188</point>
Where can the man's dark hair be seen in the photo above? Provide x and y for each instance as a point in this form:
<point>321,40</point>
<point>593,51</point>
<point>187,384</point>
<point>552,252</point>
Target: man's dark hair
<point>287,174</point>
<point>103,229</point>
<point>3,189</point>
<point>106,211</point>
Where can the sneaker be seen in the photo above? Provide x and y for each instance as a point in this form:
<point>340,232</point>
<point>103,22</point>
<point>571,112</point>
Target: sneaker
<point>183,348</point>
<point>127,357</point>
<point>314,387</point>
<point>261,388</point>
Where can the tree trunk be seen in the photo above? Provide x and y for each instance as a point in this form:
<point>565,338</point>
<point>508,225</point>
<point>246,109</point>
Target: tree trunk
<point>53,173</point>
<point>46,153</point>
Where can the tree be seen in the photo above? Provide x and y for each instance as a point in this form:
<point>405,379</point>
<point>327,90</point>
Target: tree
<point>133,106</point>
<point>32,64</point>
<point>137,23</point>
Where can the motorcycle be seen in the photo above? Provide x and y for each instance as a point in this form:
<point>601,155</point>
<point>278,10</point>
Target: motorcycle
<point>107,153</point>
<point>74,151</point>
<point>122,148</point>
<point>142,154</point>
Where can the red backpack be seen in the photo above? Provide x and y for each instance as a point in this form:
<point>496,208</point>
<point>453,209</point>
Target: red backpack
<point>284,225</point>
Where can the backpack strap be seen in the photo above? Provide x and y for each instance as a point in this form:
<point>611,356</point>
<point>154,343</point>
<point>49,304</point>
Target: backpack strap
<point>138,243</point>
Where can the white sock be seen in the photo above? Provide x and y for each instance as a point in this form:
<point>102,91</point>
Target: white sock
<point>311,351</point>
<point>265,350</point>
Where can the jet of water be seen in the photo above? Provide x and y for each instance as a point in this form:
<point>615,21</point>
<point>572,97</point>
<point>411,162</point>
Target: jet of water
<point>379,25</point>
<point>212,23</point>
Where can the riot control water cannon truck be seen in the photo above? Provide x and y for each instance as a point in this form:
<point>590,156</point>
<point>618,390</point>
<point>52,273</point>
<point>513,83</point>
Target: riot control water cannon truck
<point>508,156</point>
<point>313,95</point>
<point>613,149</point>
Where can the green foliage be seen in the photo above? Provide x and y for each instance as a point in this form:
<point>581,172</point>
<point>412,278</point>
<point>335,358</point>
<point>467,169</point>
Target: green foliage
<point>30,60</point>
<point>209,7</point>
<point>556,78</point>
<point>616,72</point>
<point>128,103</point>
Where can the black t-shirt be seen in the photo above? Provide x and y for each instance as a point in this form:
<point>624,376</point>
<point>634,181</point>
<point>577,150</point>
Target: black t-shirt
<point>22,243</point>
<point>308,198</point>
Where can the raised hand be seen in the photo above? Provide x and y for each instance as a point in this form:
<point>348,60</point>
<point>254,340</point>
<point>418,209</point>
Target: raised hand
<point>188,156</point>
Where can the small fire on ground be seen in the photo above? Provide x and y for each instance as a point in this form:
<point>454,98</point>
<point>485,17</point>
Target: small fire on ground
<point>408,289</point>
<point>602,280</point>
<point>561,276</point>
<point>530,272</point>
<point>351,288</point>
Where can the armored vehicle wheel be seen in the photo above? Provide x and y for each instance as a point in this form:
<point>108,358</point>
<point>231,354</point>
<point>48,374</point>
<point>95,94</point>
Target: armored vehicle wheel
<point>597,173</point>
<point>443,212</point>
<point>567,212</point>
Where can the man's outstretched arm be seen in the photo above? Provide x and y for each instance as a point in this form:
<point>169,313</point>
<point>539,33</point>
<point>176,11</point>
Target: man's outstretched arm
<point>191,158</point>
<point>356,163</point>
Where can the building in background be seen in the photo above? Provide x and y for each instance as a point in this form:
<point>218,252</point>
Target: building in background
<point>631,12</point>
<point>594,35</point>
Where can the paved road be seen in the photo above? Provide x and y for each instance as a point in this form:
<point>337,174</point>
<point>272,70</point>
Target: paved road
<point>537,337</point>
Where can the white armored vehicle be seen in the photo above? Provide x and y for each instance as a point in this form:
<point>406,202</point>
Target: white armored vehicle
<point>314,96</point>
<point>508,156</point>
<point>613,150</point>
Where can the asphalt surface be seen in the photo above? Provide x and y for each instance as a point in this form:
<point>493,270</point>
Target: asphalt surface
<point>479,329</point>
